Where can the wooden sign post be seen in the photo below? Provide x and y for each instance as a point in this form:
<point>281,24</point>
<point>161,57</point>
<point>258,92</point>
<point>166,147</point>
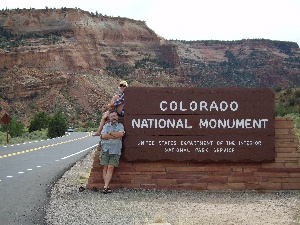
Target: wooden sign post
<point>6,120</point>
<point>199,124</point>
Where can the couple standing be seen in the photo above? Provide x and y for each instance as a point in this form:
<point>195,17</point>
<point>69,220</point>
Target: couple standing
<point>111,133</point>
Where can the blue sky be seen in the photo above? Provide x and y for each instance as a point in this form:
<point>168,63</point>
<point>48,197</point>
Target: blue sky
<point>195,19</point>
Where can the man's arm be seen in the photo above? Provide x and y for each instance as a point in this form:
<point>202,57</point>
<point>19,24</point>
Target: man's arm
<point>113,135</point>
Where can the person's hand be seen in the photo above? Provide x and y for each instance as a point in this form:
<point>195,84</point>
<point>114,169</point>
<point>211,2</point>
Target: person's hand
<point>96,134</point>
<point>105,115</point>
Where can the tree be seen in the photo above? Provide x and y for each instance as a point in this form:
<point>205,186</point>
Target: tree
<point>57,126</point>
<point>15,128</point>
<point>40,121</point>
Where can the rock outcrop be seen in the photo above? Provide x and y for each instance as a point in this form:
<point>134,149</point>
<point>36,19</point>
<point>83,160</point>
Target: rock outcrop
<point>71,40</point>
<point>72,60</point>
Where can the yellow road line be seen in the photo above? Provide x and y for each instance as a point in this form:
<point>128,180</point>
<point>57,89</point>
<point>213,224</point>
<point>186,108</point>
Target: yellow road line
<point>42,147</point>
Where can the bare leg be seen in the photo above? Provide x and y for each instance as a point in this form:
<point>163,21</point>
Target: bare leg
<point>113,99</point>
<point>120,108</point>
<point>104,171</point>
<point>108,175</point>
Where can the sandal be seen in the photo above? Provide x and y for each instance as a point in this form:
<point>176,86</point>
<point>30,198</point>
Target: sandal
<point>106,191</point>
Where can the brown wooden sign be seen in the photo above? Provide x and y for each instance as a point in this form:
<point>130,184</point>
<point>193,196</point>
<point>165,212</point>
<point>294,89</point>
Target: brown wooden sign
<point>5,119</point>
<point>199,124</point>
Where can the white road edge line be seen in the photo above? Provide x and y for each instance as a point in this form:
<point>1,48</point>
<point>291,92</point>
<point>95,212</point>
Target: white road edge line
<point>79,152</point>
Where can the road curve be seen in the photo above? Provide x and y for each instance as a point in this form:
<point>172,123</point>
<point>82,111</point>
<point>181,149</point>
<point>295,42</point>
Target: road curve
<point>28,171</point>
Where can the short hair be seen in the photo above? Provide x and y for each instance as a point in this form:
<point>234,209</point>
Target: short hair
<point>113,111</point>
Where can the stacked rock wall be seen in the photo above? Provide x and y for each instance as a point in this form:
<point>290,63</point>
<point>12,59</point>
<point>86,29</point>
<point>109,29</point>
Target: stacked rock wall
<point>282,174</point>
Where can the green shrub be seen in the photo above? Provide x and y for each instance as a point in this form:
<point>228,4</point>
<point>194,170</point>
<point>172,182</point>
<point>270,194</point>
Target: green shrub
<point>15,128</point>
<point>3,138</point>
<point>40,121</point>
<point>292,101</point>
<point>277,89</point>
<point>25,137</point>
<point>288,91</point>
<point>296,118</point>
<point>282,110</point>
<point>297,94</point>
<point>57,126</point>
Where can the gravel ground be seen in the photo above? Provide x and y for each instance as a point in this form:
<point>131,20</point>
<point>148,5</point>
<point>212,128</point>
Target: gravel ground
<point>141,207</point>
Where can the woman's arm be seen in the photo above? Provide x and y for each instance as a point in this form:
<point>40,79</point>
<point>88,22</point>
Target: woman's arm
<point>102,122</point>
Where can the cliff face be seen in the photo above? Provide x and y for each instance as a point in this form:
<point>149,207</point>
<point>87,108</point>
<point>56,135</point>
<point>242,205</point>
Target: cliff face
<point>57,59</point>
<point>70,40</point>
<point>245,63</point>
<point>72,61</point>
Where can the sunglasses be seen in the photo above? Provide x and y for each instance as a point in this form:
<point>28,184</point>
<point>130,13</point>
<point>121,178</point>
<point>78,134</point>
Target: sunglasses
<point>123,85</point>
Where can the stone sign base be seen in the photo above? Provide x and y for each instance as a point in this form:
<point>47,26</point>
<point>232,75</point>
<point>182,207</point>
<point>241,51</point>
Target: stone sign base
<point>282,174</point>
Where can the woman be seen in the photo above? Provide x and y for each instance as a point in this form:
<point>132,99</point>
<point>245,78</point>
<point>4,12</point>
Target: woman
<point>117,102</point>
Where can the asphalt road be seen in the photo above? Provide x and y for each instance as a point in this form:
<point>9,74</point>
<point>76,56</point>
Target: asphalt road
<point>28,172</point>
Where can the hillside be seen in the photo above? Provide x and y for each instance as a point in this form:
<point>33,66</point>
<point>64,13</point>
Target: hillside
<point>72,60</point>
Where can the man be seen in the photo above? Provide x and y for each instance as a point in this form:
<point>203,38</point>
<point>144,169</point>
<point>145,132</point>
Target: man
<point>111,141</point>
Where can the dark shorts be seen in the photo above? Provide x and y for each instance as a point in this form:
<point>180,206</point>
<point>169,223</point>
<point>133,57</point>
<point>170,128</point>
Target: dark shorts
<point>109,159</point>
<point>121,114</point>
